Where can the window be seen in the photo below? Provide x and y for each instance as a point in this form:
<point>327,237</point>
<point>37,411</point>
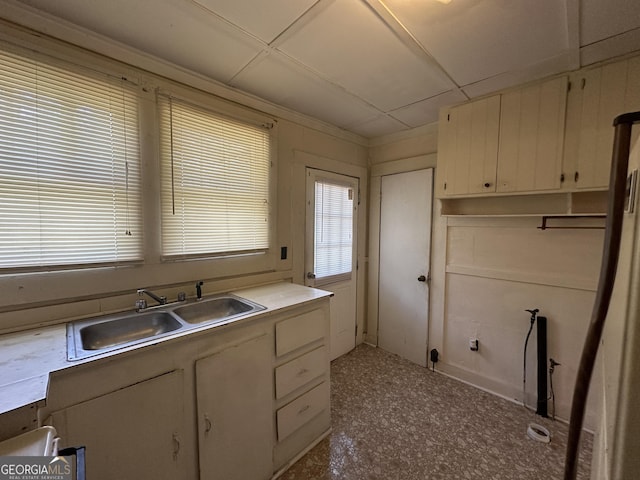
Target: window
<point>333,234</point>
<point>69,167</point>
<point>215,182</point>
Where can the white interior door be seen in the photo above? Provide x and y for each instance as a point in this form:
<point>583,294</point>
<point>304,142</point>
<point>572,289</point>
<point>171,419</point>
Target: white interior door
<point>330,253</point>
<point>405,245</point>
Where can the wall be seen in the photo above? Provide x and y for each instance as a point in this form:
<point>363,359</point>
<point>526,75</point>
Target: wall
<point>29,300</point>
<point>397,153</point>
<point>485,273</point>
<point>497,268</point>
<point>302,147</point>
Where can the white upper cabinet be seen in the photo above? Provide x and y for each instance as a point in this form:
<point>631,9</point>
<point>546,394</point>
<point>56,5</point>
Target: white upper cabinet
<point>546,137</point>
<point>601,94</point>
<point>532,121</point>
<point>505,143</point>
<point>468,147</point>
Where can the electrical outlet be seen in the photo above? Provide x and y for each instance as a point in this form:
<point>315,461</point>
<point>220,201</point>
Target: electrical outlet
<point>473,344</point>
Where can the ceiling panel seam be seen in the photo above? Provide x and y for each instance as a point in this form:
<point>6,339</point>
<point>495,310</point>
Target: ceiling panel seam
<point>319,76</point>
<point>222,19</point>
<point>573,30</point>
<point>312,12</point>
<point>409,40</point>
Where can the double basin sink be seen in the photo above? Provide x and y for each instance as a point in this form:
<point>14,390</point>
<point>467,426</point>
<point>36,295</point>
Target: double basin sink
<point>99,335</point>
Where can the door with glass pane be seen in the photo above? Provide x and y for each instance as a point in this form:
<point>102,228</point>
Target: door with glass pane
<point>330,252</point>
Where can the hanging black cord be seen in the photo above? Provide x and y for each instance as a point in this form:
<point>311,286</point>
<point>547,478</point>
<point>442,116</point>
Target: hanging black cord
<point>552,366</point>
<point>533,313</point>
<point>611,250</point>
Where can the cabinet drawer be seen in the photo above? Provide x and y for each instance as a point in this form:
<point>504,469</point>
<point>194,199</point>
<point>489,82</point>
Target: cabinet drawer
<point>298,331</point>
<point>297,372</point>
<point>295,414</point>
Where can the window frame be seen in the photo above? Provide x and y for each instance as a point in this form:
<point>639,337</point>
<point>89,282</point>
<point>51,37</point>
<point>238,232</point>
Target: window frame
<point>220,108</point>
<point>55,62</point>
<point>324,179</point>
<point>79,291</point>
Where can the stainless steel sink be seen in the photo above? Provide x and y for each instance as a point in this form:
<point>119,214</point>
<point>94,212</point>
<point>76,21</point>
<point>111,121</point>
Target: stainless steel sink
<point>216,309</point>
<point>103,334</point>
<point>99,335</point>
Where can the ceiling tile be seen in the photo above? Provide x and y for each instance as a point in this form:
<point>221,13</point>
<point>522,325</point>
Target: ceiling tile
<point>375,127</point>
<point>265,20</point>
<point>426,111</point>
<point>478,39</point>
<point>615,46</point>
<point>349,45</point>
<point>180,32</point>
<point>512,78</point>
<point>276,78</point>
<point>600,19</point>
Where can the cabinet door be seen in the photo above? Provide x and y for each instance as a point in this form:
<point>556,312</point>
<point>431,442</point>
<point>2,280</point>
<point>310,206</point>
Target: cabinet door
<point>235,412</point>
<point>606,92</point>
<point>531,137</point>
<point>468,147</point>
<point>131,433</point>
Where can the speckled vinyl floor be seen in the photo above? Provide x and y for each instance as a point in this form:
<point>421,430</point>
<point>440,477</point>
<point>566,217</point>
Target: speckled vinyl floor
<point>392,419</point>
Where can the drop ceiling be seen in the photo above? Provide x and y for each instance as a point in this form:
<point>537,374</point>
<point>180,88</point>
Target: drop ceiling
<point>372,67</point>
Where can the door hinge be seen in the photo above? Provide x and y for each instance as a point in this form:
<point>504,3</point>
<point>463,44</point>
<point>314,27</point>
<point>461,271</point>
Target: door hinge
<point>356,329</point>
<point>358,196</point>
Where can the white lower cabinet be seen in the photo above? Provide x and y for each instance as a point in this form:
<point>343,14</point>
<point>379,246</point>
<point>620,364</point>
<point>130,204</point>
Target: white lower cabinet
<point>135,432</point>
<point>302,403</point>
<point>238,403</point>
<point>234,390</point>
<point>301,370</point>
<point>297,413</point>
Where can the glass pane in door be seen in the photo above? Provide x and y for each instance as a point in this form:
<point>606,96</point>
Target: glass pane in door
<point>333,230</point>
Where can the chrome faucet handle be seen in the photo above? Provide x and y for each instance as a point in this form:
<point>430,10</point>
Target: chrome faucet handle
<point>182,296</point>
<point>141,304</point>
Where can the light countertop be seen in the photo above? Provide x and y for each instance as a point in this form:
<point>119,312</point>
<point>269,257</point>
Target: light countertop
<point>28,358</point>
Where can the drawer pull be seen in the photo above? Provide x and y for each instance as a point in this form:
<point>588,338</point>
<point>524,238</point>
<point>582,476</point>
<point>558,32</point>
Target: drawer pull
<point>303,409</point>
<point>207,424</point>
<point>303,371</point>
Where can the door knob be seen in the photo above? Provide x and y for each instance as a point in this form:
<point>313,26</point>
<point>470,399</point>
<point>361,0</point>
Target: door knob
<point>311,275</point>
<point>422,278</point>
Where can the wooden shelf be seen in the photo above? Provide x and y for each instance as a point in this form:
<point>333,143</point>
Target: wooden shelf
<point>567,204</point>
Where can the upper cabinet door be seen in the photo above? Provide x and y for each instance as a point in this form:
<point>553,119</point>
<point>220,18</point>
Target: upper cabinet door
<point>468,148</point>
<point>605,92</point>
<point>532,121</point>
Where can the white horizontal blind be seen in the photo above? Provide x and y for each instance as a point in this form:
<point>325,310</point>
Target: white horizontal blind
<point>333,229</point>
<point>215,182</point>
<point>69,167</point>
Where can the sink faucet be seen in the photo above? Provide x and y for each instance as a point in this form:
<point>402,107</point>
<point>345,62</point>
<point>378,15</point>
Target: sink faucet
<point>141,303</point>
